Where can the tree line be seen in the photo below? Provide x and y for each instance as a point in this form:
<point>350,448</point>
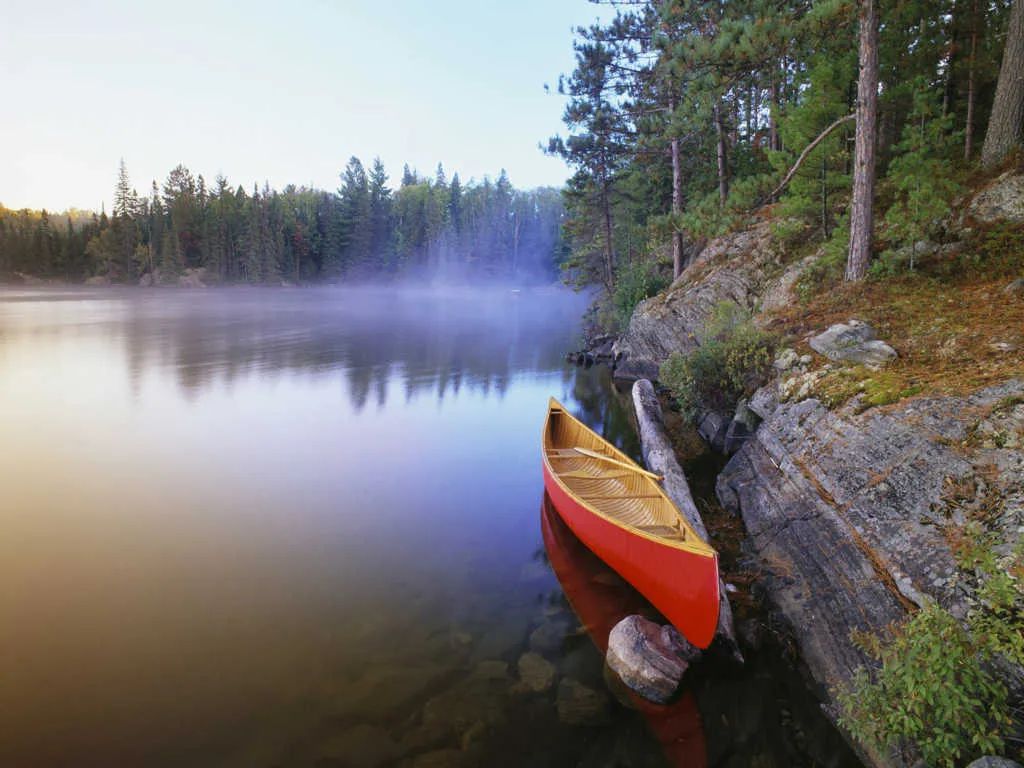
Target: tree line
<point>426,228</point>
<point>684,115</point>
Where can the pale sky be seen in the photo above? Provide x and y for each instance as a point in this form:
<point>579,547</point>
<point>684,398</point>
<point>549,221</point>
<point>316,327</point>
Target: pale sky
<point>279,91</point>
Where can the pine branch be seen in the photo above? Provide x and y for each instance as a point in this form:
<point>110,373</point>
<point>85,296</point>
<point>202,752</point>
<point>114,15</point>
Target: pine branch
<point>807,151</point>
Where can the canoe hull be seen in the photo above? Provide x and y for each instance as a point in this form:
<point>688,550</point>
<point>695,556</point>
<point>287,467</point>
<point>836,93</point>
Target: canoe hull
<point>683,585</point>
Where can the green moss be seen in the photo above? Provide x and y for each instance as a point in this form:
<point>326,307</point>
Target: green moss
<point>875,388</point>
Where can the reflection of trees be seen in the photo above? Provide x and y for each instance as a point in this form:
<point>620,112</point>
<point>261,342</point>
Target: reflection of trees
<point>431,341</point>
<point>609,416</point>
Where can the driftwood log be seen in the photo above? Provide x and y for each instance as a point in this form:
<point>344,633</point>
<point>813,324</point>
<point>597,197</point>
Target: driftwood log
<point>660,457</point>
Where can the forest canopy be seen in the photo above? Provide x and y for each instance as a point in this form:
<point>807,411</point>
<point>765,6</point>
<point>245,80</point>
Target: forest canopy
<point>427,227</point>
<point>684,116</point>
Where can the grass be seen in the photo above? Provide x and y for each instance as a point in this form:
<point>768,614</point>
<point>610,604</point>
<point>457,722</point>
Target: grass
<point>942,318</point>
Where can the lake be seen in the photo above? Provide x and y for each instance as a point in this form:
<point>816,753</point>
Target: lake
<point>307,527</point>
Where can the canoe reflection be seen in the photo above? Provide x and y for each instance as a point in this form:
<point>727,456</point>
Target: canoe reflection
<point>600,598</point>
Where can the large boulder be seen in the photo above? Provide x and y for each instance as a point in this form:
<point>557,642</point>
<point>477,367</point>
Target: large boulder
<point>1002,200</point>
<point>853,342</point>
<point>648,657</point>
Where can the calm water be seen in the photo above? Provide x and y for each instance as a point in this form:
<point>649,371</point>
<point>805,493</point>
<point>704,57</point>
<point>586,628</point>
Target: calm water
<point>263,528</point>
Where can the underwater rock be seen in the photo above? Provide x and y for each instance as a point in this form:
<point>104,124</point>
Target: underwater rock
<point>536,674</point>
<point>579,705</point>
<point>364,746</point>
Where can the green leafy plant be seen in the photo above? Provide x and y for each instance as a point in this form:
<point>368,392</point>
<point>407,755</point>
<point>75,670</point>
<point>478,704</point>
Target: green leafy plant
<point>936,686</point>
<point>635,282</point>
<point>733,359</point>
<point>921,175</point>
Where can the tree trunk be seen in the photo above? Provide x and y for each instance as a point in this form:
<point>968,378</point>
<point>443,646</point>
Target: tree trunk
<point>1006,125</point>
<point>773,126</point>
<point>971,95</point>
<point>861,213</point>
<point>723,171</point>
<point>677,201</point>
<point>609,256</point>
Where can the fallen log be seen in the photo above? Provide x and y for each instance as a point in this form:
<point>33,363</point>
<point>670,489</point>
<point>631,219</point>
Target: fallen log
<point>660,457</point>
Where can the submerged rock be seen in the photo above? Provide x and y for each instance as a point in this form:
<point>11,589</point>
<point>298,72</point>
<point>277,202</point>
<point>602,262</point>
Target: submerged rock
<point>536,674</point>
<point>478,700</point>
<point>364,746</point>
<point>853,342</point>
<point>549,636</point>
<point>441,758</point>
<point>648,657</point>
<point>579,705</point>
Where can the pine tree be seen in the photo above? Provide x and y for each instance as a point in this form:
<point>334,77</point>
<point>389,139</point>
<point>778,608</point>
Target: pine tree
<point>862,206</point>
<point>1006,124</point>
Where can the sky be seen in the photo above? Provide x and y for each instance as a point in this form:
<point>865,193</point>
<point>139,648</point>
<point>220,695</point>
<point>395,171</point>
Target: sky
<point>282,92</point>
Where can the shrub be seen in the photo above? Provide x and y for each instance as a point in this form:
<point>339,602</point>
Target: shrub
<point>733,359</point>
<point>936,686</point>
<point>634,282</point>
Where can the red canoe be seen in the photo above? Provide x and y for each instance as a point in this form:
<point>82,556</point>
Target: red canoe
<point>620,512</point>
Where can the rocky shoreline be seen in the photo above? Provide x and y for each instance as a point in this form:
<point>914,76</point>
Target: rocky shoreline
<point>847,509</point>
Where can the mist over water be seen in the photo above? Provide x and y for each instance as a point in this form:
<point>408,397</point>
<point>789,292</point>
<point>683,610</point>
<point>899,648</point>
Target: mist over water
<point>252,527</point>
<point>219,507</point>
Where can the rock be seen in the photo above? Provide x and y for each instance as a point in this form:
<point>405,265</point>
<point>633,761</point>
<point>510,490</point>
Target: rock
<point>1003,347</point>
<point>713,427</point>
<point>474,700</point>
<point>993,762</point>
<point>549,636</point>
<point>536,673</point>
<point>146,281</point>
<point>579,705</point>
<point>1015,289</point>
<point>845,513</point>
<point>786,359</point>
<point>491,669</point>
<point>649,658</point>
<point>730,268</point>
<point>382,692</point>
<point>1002,200</point>
<point>780,292</point>
<point>97,280</point>
<point>853,342</point>
<point>364,746</point>
<point>441,758</point>
<point>744,423</point>
<point>764,401</point>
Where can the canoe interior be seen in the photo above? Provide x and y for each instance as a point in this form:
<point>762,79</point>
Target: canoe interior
<point>631,499</point>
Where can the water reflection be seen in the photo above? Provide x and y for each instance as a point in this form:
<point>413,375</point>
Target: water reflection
<point>273,528</point>
<point>600,598</point>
